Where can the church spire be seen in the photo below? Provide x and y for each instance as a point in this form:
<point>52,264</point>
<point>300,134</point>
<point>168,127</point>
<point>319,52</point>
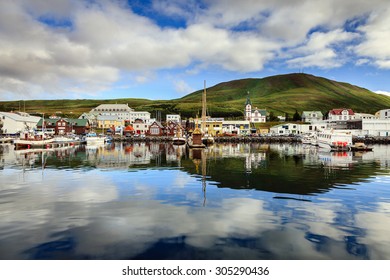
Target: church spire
<point>248,101</point>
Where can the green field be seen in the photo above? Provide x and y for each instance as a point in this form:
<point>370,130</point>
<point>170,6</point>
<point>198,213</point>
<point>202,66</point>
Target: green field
<point>279,94</point>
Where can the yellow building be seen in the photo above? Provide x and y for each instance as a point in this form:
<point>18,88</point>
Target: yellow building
<point>109,121</point>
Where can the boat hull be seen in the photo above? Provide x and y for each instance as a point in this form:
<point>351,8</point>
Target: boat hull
<point>28,144</point>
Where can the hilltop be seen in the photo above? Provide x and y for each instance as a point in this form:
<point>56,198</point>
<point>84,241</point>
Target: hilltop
<point>279,94</point>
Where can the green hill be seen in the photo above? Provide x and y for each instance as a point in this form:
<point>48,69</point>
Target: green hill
<point>287,93</point>
<point>278,94</point>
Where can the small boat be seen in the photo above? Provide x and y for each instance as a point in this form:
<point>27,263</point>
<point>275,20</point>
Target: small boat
<point>179,139</point>
<point>207,139</point>
<point>93,139</point>
<point>359,146</point>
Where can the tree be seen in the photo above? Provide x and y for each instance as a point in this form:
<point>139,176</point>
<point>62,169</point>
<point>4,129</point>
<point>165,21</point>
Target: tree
<point>272,117</point>
<point>297,116</point>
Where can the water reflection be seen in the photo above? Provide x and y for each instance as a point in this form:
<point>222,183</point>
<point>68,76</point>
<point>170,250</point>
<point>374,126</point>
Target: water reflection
<point>160,201</point>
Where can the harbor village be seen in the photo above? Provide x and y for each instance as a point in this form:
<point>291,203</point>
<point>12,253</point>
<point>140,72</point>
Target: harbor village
<point>119,122</point>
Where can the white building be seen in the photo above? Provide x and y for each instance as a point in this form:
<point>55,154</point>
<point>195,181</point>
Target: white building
<point>364,116</point>
<point>341,115</point>
<point>173,118</point>
<point>122,111</point>
<point>14,123</point>
<point>376,127</point>
<point>236,127</point>
<point>383,114</point>
<point>311,116</point>
<point>254,115</point>
<point>291,128</point>
<point>139,115</point>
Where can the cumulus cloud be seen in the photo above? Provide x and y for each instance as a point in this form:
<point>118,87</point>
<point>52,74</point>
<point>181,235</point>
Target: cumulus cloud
<point>68,46</point>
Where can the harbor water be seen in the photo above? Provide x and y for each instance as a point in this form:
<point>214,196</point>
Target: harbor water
<point>228,201</point>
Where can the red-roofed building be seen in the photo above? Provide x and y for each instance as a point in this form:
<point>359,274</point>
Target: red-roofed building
<point>341,114</point>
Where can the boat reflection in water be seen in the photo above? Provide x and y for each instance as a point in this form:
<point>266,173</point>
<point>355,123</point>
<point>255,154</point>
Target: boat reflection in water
<point>148,201</point>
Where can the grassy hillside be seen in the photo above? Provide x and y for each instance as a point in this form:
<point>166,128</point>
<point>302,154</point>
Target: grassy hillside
<point>287,93</point>
<point>280,94</point>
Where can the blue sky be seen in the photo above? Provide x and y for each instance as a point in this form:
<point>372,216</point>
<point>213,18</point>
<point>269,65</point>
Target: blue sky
<point>160,49</point>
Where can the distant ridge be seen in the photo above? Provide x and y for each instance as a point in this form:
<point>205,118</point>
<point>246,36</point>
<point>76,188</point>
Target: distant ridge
<point>279,94</point>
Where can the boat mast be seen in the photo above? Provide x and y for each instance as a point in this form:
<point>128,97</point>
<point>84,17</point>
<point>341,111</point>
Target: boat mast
<point>203,126</point>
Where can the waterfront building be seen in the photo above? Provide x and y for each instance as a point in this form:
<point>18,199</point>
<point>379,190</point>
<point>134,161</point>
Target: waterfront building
<point>62,126</point>
<point>213,126</point>
<point>291,128</point>
<point>311,116</point>
<point>254,115</point>
<point>140,126</point>
<point>156,129</point>
<point>91,117</point>
<point>108,121</point>
<point>236,127</point>
<point>375,127</point>
<point>14,123</point>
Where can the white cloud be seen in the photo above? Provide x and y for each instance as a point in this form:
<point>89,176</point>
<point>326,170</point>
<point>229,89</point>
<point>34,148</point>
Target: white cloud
<point>382,92</point>
<point>319,50</point>
<point>103,39</point>
<point>182,87</point>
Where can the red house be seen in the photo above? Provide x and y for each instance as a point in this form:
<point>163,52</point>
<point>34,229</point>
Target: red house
<point>156,129</point>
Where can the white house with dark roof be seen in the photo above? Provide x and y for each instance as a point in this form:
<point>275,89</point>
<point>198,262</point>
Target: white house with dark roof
<point>14,123</point>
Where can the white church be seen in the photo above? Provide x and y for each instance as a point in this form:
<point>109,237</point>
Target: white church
<point>254,115</point>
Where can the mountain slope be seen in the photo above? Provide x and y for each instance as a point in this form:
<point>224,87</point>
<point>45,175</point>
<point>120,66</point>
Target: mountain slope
<point>287,93</point>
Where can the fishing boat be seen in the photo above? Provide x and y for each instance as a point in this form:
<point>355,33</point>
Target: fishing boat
<point>29,140</point>
<point>206,137</point>
<point>179,139</point>
<point>334,140</point>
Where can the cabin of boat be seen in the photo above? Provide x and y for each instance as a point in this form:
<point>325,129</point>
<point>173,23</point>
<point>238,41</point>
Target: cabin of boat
<point>334,140</point>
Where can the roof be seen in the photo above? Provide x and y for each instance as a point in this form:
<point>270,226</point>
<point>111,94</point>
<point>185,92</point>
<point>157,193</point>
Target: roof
<point>75,122</point>
<point>20,117</point>
<point>129,128</point>
<point>263,112</point>
<point>339,111</point>
<point>107,118</point>
<point>158,124</point>
<point>305,113</point>
<point>112,107</point>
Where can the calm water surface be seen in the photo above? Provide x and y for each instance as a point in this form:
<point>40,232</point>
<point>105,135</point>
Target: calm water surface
<point>159,201</point>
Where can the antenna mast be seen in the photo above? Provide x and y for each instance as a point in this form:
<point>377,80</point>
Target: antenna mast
<point>203,127</point>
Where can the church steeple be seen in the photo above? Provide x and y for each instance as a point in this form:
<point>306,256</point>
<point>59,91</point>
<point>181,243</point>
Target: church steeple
<point>248,108</point>
<point>248,100</point>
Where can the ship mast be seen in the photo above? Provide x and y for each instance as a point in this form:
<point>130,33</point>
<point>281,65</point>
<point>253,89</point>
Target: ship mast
<point>203,126</point>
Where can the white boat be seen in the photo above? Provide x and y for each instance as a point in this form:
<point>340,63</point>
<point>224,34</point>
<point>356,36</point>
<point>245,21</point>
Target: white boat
<point>334,140</point>
<point>179,139</point>
<point>93,139</point>
<point>308,139</point>
<point>29,141</point>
